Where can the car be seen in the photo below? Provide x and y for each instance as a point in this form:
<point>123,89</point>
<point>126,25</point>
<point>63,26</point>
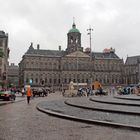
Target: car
<point>101,92</point>
<point>7,95</point>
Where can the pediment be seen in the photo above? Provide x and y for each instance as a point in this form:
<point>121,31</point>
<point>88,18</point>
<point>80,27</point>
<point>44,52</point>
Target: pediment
<point>77,54</point>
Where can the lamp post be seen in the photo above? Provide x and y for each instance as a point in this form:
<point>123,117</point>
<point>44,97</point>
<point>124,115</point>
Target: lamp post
<point>52,77</point>
<point>89,33</point>
<point>77,70</point>
<point>136,77</point>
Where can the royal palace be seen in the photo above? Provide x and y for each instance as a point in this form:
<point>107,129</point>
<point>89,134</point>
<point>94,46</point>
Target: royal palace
<point>57,68</point>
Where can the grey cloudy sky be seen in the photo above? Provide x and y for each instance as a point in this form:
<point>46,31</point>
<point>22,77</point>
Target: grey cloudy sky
<point>47,22</point>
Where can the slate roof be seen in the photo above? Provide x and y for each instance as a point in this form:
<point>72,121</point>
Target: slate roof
<point>102,55</point>
<point>57,53</point>
<point>132,60</point>
<point>54,53</point>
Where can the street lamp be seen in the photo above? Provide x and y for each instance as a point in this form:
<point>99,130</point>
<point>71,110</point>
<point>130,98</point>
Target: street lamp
<point>89,33</point>
<point>52,77</point>
<point>77,63</point>
<point>136,77</point>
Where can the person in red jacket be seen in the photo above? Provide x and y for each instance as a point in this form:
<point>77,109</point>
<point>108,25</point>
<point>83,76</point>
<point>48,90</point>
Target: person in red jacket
<point>28,93</point>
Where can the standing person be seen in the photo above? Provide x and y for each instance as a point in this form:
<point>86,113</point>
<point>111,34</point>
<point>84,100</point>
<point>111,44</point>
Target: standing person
<point>113,90</point>
<point>28,93</point>
<point>88,92</point>
<point>23,92</point>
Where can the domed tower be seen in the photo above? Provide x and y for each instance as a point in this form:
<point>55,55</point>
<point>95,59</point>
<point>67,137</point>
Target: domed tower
<point>74,40</point>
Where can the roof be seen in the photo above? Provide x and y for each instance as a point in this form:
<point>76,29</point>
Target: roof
<point>102,55</point>
<point>74,29</point>
<point>54,53</point>
<point>57,53</point>
<point>132,60</point>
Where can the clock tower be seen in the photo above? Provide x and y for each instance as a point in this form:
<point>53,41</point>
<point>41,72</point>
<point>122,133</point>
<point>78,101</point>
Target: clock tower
<point>74,40</point>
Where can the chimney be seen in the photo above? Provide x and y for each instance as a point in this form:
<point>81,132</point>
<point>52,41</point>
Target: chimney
<point>38,46</point>
<point>59,48</point>
<point>31,44</point>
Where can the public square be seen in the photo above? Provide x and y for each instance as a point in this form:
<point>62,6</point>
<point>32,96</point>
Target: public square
<point>20,121</point>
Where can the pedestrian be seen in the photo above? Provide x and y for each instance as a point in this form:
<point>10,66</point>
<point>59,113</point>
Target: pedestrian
<point>113,90</point>
<point>23,92</point>
<point>28,93</point>
<point>88,92</point>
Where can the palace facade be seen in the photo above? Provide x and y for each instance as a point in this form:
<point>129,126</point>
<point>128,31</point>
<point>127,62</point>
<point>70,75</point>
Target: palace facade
<point>56,68</point>
<point>131,71</point>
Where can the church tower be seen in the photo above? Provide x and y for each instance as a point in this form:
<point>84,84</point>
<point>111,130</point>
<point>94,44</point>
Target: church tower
<point>74,40</point>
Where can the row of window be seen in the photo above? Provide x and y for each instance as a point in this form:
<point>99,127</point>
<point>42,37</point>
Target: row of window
<point>74,66</point>
<point>68,80</point>
<point>48,65</point>
<point>131,70</point>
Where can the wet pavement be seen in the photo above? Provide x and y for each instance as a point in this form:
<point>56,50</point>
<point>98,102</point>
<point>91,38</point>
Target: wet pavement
<point>122,100</point>
<point>20,121</point>
<point>61,107</point>
<point>18,99</point>
<point>104,104</point>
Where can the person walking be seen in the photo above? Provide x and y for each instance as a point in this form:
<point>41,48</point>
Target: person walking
<point>28,93</point>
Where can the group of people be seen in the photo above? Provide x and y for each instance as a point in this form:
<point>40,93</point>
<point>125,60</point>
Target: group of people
<point>129,90</point>
<point>84,92</point>
<point>31,92</point>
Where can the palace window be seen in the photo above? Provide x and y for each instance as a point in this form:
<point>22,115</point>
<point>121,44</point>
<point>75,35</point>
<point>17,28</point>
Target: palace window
<point>65,80</point>
<point>54,81</point>
<point>1,41</point>
<point>45,80</point>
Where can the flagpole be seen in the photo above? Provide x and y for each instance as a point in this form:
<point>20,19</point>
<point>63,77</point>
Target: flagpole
<point>89,33</point>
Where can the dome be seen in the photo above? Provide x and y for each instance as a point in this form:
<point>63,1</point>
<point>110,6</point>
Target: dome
<point>74,29</point>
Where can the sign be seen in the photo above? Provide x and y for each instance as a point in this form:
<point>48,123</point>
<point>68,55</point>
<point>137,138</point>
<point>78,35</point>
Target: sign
<point>30,81</point>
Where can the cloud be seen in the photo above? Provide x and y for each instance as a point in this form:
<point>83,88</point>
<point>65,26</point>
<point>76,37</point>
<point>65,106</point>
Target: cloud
<point>115,23</point>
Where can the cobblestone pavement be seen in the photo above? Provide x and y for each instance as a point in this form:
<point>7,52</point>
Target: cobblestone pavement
<point>86,102</point>
<point>111,100</point>
<point>20,121</point>
<point>61,107</point>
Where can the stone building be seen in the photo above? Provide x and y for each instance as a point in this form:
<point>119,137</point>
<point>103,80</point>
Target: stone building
<point>56,68</point>
<point>131,72</point>
<point>13,75</point>
<point>4,54</point>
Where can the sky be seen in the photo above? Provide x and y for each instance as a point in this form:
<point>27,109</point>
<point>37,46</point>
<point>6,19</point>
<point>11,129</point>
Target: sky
<point>115,23</point>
